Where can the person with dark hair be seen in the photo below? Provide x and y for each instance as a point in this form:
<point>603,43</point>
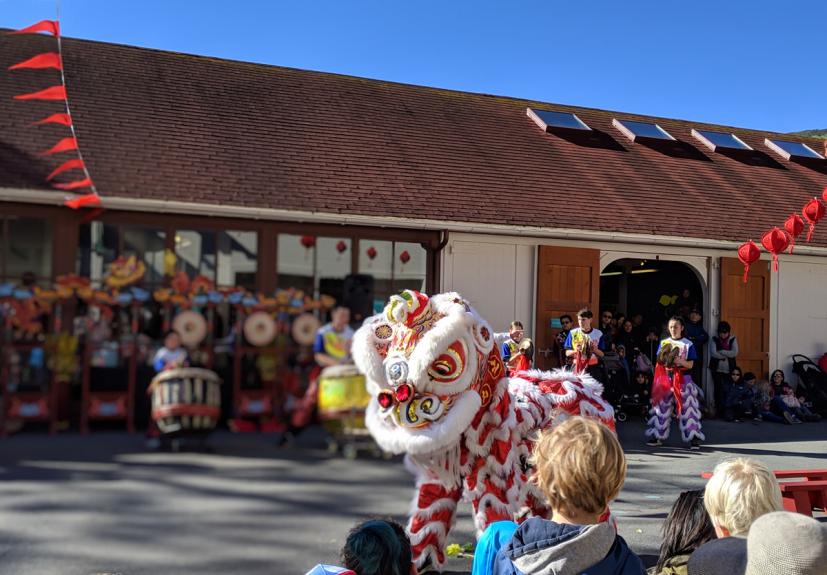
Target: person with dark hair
<point>674,390</point>
<point>583,345</point>
<point>740,398</point>
<point>171,355</point>
<point>723,349</point>
<point>378,547</point>
<point>686,528</point>
<point>696,333</point>
<point>560,340</point>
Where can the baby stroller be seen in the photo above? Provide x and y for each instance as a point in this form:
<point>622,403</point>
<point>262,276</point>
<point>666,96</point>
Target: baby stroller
<point>620,391</point>
<point>812,382</point>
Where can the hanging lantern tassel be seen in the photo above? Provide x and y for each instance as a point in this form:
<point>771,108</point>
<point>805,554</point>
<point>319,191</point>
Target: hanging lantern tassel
<point>775,241</point>
<point>748,253</point>
<point>794,225</point>
<point>813,212</point>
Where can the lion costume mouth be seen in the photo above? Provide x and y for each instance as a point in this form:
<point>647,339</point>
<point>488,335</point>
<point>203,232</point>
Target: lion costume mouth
<point>438,423</point>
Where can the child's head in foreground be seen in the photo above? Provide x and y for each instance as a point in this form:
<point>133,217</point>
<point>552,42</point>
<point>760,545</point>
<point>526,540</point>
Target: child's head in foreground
<point>580,466</point>
<point>740,491</point>
<point>378,547</point>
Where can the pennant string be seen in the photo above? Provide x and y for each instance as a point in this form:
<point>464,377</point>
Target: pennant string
<point>69,113</point>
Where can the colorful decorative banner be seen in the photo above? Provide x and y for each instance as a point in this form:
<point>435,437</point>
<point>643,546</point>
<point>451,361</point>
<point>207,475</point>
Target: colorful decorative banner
<point>54,60</point>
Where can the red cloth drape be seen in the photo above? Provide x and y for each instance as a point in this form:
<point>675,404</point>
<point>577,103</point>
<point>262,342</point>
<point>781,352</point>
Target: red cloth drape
<point>667,381</point>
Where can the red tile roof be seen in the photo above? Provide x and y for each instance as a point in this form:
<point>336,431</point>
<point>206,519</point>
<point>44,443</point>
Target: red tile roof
<point>171,126</point>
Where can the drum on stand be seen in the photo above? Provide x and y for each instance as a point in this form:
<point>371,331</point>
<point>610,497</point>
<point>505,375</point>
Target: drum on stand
<point>341,391</point>
<point>186,400</point>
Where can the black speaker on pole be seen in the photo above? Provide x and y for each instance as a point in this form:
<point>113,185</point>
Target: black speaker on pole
<point>357,294</point>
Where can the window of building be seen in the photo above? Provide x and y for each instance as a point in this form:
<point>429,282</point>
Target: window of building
<point>394,266</point>
<point>788,150</point>
<point>717,140</point>
<point>195,253</point>
<point>635,130</point>
<point>237,259</point>
<point>548,120</point>
<point>25,247</point>
<point>316,265</point>
<point>100,244</point>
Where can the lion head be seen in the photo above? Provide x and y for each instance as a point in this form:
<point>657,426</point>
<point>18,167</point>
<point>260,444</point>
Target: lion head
<point>430,365</point>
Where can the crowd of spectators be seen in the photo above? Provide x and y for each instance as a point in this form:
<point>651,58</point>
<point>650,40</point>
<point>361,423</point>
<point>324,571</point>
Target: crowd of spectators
<point>732,527</point>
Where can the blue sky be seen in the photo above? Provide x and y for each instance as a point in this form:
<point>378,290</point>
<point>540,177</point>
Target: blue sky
<point>758,64</point>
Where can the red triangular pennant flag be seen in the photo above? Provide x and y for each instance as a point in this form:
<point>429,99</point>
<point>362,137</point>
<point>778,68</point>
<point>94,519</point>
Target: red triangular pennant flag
<point>46,60</point>
<point>65,145</point>
<point>63,119</point>
<point>65,166</point>
<point>84,183</point>
<point>52,93</point>
<point>85,200</point>
<point>50,26</point>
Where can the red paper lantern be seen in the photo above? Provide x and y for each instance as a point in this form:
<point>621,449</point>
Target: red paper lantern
<point>775,241</point>
<point>813,211</point>
<point>748,253</point>
<point>794,226</point>
<point>372,252</point>
<point>308,241</point>
<point>824,193</point>
<point>342,246</point>
<point>404,257</point>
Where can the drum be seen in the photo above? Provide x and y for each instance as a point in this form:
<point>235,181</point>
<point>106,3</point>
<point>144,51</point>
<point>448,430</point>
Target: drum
<point>186,400</point>
<point>342,392</point>
<point>191,326</point>
<point>259,329</point>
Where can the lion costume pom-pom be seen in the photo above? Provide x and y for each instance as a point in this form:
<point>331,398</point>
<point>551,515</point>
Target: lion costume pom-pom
<point>440,395</point>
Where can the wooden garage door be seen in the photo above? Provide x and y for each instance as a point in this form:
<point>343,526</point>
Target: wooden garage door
<point>746,306</point>
<point>568,279</point>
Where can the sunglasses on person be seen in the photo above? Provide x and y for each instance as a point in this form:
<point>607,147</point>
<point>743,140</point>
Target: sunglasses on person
<point>736,374</point>
<point>607,316</point>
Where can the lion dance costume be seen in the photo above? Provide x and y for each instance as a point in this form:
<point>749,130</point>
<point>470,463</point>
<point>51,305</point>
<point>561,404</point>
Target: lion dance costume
<point>439,394</point>
<point>673,389</point>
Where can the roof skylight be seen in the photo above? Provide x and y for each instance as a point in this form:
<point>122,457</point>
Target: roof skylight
<point>634,130</point>
<point>549,119</point>
<point>787,149</point>
<point>716,140</point>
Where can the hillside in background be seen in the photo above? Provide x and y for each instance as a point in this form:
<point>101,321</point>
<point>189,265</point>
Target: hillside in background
<point>813,133</point>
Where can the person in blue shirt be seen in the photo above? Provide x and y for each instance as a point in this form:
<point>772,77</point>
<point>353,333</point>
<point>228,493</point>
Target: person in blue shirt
<point>584,345</point>
<point>512,344</point>
<point>332,345</point>
<point>674,391</point>
<point>171,355</point>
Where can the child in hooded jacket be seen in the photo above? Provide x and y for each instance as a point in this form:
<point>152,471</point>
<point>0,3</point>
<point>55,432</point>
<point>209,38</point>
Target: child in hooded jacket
<point>580,467</point>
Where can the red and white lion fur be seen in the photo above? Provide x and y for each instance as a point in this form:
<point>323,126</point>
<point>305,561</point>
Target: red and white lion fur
<point>440,394</point>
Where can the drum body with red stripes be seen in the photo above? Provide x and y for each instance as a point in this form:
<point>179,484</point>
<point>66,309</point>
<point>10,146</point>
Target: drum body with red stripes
<point>186,400</point>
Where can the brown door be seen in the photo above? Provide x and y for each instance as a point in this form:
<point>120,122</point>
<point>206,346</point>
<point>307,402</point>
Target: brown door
<point>746,306</point>
<point>568,279</point>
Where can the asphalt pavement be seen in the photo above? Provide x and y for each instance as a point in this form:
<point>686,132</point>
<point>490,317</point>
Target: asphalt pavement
<point>102,503</point>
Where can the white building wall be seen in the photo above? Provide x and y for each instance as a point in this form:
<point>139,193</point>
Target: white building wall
<point>798,312</point>
<point>496,277</point>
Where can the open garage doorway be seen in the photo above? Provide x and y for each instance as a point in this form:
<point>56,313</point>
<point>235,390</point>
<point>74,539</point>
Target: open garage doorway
<point>655,290</point>
<point>648,292</point>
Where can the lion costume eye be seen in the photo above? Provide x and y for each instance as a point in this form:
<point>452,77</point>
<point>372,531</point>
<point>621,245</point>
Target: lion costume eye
<point>449,365</point>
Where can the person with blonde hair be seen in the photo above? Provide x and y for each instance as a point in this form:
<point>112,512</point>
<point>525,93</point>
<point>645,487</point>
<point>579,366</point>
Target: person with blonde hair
<point>740,491</point>
<point>579,467</point>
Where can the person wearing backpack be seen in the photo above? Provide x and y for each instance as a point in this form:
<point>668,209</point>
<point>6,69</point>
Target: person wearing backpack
<point>723,349</point>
